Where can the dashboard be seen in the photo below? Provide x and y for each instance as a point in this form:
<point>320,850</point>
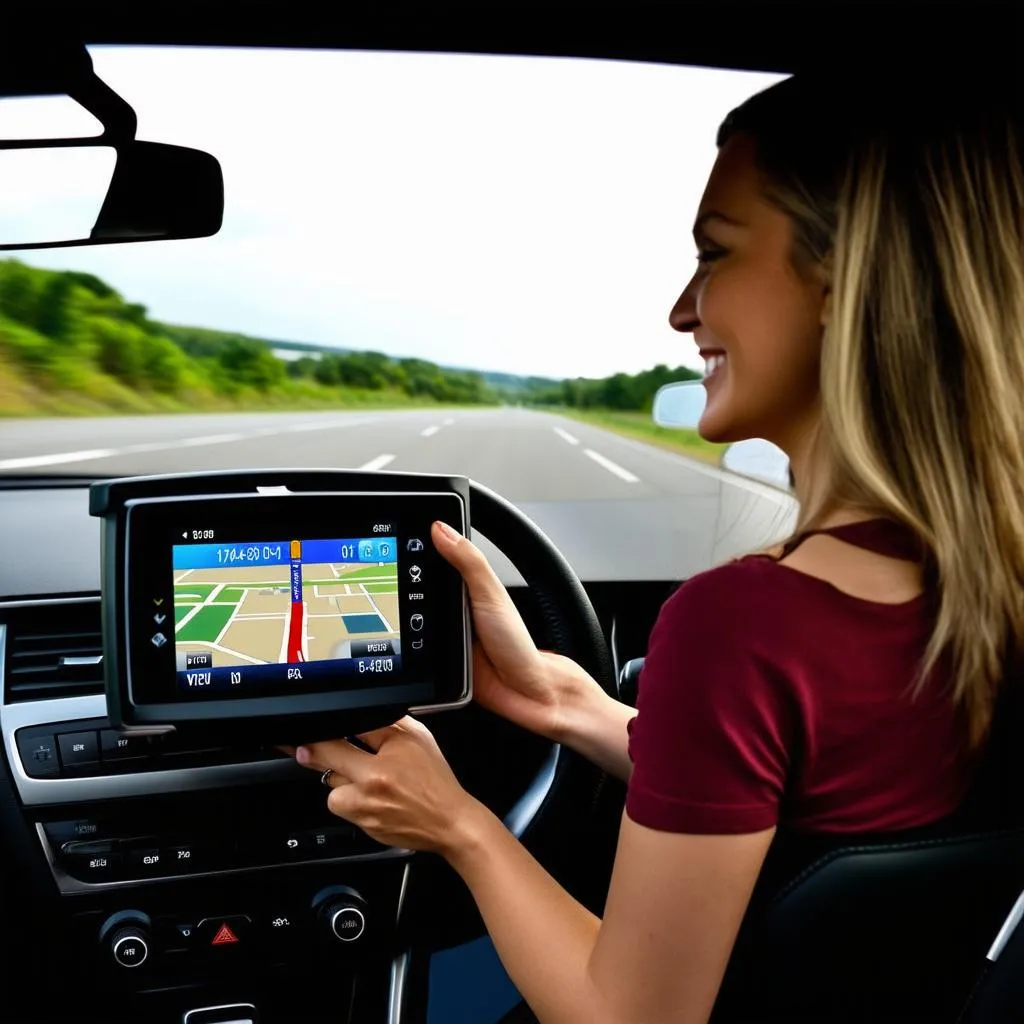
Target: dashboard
<point>162,873</point>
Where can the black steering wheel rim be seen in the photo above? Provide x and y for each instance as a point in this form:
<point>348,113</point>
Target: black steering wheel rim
<point>571,628</point>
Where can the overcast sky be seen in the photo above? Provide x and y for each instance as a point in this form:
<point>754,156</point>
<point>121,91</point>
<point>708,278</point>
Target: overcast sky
<point>518,214</point>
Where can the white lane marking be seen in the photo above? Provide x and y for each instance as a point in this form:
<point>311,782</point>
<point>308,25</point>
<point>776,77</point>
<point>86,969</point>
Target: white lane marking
<point>763,490</point>
<point>56,459</point>
<point>31,461</point>
<point>612,467</point>
<point>378,463</point>
<point>565,435</point>
<point>429,432</point>
<point>194,442</point>
<point>387,625</point>
<point>449,422</point>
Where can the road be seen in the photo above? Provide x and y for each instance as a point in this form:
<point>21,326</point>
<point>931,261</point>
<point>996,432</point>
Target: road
<point>617,508</point>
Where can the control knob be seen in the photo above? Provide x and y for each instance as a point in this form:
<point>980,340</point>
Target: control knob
<point>341,912</point>
<point>126,937</point>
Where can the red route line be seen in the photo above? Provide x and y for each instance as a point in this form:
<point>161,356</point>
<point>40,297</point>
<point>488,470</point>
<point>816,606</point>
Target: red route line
<point>295,632</point>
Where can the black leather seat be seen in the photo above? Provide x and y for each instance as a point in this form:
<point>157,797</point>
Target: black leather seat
<point>889,928</point>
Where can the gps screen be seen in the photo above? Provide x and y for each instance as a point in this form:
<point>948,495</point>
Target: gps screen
<point>242,610</point>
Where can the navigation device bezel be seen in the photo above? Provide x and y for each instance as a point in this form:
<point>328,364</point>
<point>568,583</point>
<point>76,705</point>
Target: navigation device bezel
<point>138,514</point>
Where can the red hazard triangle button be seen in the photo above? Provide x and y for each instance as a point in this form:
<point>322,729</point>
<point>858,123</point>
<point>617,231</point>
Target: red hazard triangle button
<point>223,931</point>
<point>224,936</point>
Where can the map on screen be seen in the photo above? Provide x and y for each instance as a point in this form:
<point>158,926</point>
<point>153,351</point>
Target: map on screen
<point>284,602</point>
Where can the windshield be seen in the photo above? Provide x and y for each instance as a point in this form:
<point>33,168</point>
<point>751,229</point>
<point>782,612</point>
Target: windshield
<point>428,263</point>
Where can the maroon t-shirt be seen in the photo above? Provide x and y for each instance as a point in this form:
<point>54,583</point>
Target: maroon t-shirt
<point>772,697</point>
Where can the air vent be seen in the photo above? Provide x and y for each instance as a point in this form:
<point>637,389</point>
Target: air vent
<point>52,650</point>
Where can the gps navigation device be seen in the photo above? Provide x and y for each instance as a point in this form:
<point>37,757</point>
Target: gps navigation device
<point>281,604</point>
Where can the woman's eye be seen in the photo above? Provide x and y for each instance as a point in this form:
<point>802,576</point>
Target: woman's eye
<point>710,255</point>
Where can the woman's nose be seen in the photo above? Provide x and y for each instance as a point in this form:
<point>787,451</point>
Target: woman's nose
<point>683,316</point>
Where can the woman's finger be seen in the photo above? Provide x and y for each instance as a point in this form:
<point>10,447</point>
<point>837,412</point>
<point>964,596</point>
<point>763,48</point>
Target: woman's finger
<point>499,626</point>
<point>340,755</point>
<point>481,581</point>
<point>376,737</point>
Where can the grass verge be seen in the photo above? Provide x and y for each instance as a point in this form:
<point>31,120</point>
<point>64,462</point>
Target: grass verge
<point>640,426</point>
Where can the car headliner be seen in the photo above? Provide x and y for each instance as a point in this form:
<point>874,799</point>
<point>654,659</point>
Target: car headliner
<point>762,37</point>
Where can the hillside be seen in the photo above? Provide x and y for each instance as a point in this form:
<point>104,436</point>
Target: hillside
<point>70,344</point>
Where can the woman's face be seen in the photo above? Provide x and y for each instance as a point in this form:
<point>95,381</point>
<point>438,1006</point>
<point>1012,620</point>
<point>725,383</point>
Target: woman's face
<point>757,319</point>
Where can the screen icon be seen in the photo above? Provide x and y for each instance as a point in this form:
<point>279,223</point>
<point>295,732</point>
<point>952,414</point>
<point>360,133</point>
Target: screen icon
<point>417,645</point>
<point>158,640</point>
<point>415,573</point>
<point>416,622</point>
<point>159,618</point>
<point>414,545</point>
<point>366,551</point>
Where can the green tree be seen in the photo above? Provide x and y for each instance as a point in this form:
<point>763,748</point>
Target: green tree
<point>250,364</point>
<point>56,315</point>
<point>19,292</point>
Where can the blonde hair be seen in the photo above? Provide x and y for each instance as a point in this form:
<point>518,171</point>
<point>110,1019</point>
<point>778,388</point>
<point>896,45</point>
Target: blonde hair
<point>912,198</point>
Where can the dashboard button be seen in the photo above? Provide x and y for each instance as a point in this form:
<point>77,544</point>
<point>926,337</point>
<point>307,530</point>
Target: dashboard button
<point>142,859</point>
<point>280,928</point>
<point>91,861</point>
<point>186,858</point>
<point>129,949</point>
<point>78,749</point>
<point>332,841</point>
<point>38,754</point>
<point>175,934</point>
<point>223,932</point>
<point>120,746</point>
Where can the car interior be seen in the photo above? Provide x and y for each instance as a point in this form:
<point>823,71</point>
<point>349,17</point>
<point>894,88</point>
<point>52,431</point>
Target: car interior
<point>193,875</point>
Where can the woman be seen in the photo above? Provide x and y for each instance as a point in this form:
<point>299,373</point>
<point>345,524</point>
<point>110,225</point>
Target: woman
<point>859,299</point>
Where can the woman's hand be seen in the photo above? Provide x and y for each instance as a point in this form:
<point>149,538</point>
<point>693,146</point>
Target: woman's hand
<point>402,795</point>
<point>511,677</point>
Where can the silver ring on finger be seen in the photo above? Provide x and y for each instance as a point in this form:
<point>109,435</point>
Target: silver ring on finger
<point>325,776</point>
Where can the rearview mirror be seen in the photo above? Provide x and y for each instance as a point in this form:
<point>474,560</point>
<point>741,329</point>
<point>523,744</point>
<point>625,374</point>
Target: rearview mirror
<point>63,194</point>
<point>107,187</point>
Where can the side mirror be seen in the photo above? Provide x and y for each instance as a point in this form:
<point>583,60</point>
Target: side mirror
<point>681,405</point>
<point>109,187</point>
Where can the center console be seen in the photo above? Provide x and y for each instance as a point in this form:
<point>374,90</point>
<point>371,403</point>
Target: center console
<point>199,876</point>
<point>191,874</point>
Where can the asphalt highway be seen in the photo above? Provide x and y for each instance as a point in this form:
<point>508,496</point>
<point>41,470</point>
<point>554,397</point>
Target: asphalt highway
<point>616,507</point>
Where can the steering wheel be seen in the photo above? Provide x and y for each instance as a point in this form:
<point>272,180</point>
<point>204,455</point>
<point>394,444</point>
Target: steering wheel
<point>569,626</point>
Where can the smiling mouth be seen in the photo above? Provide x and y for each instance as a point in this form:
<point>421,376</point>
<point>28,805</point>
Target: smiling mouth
<point>714,364</point>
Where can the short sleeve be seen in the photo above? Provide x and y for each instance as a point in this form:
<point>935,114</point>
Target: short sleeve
<point>715,721</point>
